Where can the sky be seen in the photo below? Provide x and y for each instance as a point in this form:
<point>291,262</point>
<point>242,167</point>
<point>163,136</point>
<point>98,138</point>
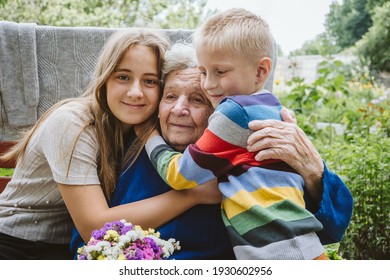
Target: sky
<point>292,22</point>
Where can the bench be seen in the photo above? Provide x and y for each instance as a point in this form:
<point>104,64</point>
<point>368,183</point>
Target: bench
<point>41,65</point>
<point>4,147</point>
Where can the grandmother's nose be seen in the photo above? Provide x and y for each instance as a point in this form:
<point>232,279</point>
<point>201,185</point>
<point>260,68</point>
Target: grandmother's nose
<point>181,106</point>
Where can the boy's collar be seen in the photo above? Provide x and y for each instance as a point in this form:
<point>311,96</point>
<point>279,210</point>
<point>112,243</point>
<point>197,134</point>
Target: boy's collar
<point>261,91</point>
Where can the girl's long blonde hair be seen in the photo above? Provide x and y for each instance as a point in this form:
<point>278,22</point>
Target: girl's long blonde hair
<point>112,156</point>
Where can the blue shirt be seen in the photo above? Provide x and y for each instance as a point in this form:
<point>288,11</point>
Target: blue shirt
<point>200,230</point>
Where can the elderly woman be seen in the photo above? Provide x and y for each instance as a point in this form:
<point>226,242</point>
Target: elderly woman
<point>184,112</point>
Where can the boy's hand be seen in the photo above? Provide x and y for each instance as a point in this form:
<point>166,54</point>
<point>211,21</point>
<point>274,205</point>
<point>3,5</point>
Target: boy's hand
<point>288,116</point>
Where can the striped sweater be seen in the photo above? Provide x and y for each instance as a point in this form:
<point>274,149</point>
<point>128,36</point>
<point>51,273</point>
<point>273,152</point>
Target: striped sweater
<point>262,207</point>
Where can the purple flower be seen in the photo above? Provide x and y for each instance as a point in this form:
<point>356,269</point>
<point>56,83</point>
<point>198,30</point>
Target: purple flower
<point>126,229</point>
<point>143,248</point>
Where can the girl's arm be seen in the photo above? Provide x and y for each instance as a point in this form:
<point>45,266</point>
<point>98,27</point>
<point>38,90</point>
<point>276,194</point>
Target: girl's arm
<point>89,209</point>
<point>74,168</point>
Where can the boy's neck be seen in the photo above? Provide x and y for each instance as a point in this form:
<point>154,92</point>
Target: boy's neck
<point>259,89</point>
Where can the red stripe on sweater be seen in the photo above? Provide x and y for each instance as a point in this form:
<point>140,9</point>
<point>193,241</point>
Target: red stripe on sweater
<point>211,143</point>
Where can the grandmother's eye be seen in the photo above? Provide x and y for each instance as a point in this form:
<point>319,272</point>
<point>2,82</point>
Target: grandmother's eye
<point>169,96</point>
<point>199,100</point>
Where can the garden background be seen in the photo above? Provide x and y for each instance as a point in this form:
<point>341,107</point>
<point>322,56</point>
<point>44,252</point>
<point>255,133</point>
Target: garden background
<point>341,101</point>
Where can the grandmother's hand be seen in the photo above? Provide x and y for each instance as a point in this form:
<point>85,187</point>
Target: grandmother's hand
<point>286,141</point>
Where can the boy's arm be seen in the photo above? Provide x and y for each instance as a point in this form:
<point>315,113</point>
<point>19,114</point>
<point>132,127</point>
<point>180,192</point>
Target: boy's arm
<point>214,154</point>
<point>176,169</point>
<point>335,208</point>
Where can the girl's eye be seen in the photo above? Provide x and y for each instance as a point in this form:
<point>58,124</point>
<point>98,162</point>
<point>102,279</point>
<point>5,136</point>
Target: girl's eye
<point>220,72</point>
<point>123,77</point>
<point>151,82</point>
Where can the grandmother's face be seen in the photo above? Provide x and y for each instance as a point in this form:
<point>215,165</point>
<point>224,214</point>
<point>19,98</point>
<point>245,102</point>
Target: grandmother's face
<point>184,109</point>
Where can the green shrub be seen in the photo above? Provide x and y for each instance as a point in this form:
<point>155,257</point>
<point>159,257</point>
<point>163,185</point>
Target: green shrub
<point>6,171</point>
<point>347,95</point>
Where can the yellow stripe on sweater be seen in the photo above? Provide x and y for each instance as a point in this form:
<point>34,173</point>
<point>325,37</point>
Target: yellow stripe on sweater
<point>264,197</point>
<point>175,179</point>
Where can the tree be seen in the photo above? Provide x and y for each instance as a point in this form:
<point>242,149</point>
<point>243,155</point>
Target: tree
<point>320,45</point>
<point>364,26</point>
<point>348,22</point>
<point>106,13</point>
<point>375,43</point>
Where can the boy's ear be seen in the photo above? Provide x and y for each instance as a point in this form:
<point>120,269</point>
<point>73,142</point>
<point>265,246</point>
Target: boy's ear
<point>263,69</point>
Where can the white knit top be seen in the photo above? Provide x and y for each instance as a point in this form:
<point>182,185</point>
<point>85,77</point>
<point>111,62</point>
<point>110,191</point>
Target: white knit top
<point>31,206</point>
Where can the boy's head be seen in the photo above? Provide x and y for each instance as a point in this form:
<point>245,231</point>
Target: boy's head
<point>234,50</point>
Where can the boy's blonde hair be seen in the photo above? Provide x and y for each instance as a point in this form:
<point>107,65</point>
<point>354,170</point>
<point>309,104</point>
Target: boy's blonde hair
<point>236,30</point>
<point>112,155</point>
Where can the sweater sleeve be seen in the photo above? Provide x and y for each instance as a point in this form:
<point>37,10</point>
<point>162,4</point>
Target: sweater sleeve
<point>221,147</point>
<point>335,209</point>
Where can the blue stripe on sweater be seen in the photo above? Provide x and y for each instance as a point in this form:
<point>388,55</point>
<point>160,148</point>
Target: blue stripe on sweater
<point>256,99</point>
<point>191,170</point>
<point>233,111</point>
<point>243,109</point>
<point>263,112</point>
<point>257,177</point>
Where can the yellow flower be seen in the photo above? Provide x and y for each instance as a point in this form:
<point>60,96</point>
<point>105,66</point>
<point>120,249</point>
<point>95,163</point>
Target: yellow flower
<point>102,258</point>
<point>121,257</point>
<point>367,86</point>
<point>111,235</point>
<point>277,82</point>
<point>79,250</point>
<point>137,227</point>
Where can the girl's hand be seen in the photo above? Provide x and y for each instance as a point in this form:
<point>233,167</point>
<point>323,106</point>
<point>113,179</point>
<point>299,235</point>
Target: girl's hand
<point>207,193</point>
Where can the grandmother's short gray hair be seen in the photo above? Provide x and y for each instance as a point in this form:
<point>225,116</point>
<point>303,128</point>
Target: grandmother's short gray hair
<point>180,56</point>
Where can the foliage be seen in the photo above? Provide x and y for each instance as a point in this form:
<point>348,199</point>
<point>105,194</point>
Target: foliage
<point>364,163</point>
<point>332,251</point>
<point>377,38</point>
<point>363,26</point>
<point>6,171</point>
<point>348,22</point>
<point>348,95</point>
<point>320,45</point>
<point>360,27</point>
<point>107,13</point>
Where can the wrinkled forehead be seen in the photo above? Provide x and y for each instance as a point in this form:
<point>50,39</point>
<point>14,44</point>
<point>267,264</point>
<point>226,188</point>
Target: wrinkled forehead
<point>183,79</point>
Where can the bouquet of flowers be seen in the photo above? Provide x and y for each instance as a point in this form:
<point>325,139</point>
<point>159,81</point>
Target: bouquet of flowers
<point>121,240</point>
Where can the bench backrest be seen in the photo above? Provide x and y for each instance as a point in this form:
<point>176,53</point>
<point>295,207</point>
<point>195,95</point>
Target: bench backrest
<point>41,65</point>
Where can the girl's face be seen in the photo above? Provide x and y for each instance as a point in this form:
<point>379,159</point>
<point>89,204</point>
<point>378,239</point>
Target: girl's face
<point>133,87</point>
